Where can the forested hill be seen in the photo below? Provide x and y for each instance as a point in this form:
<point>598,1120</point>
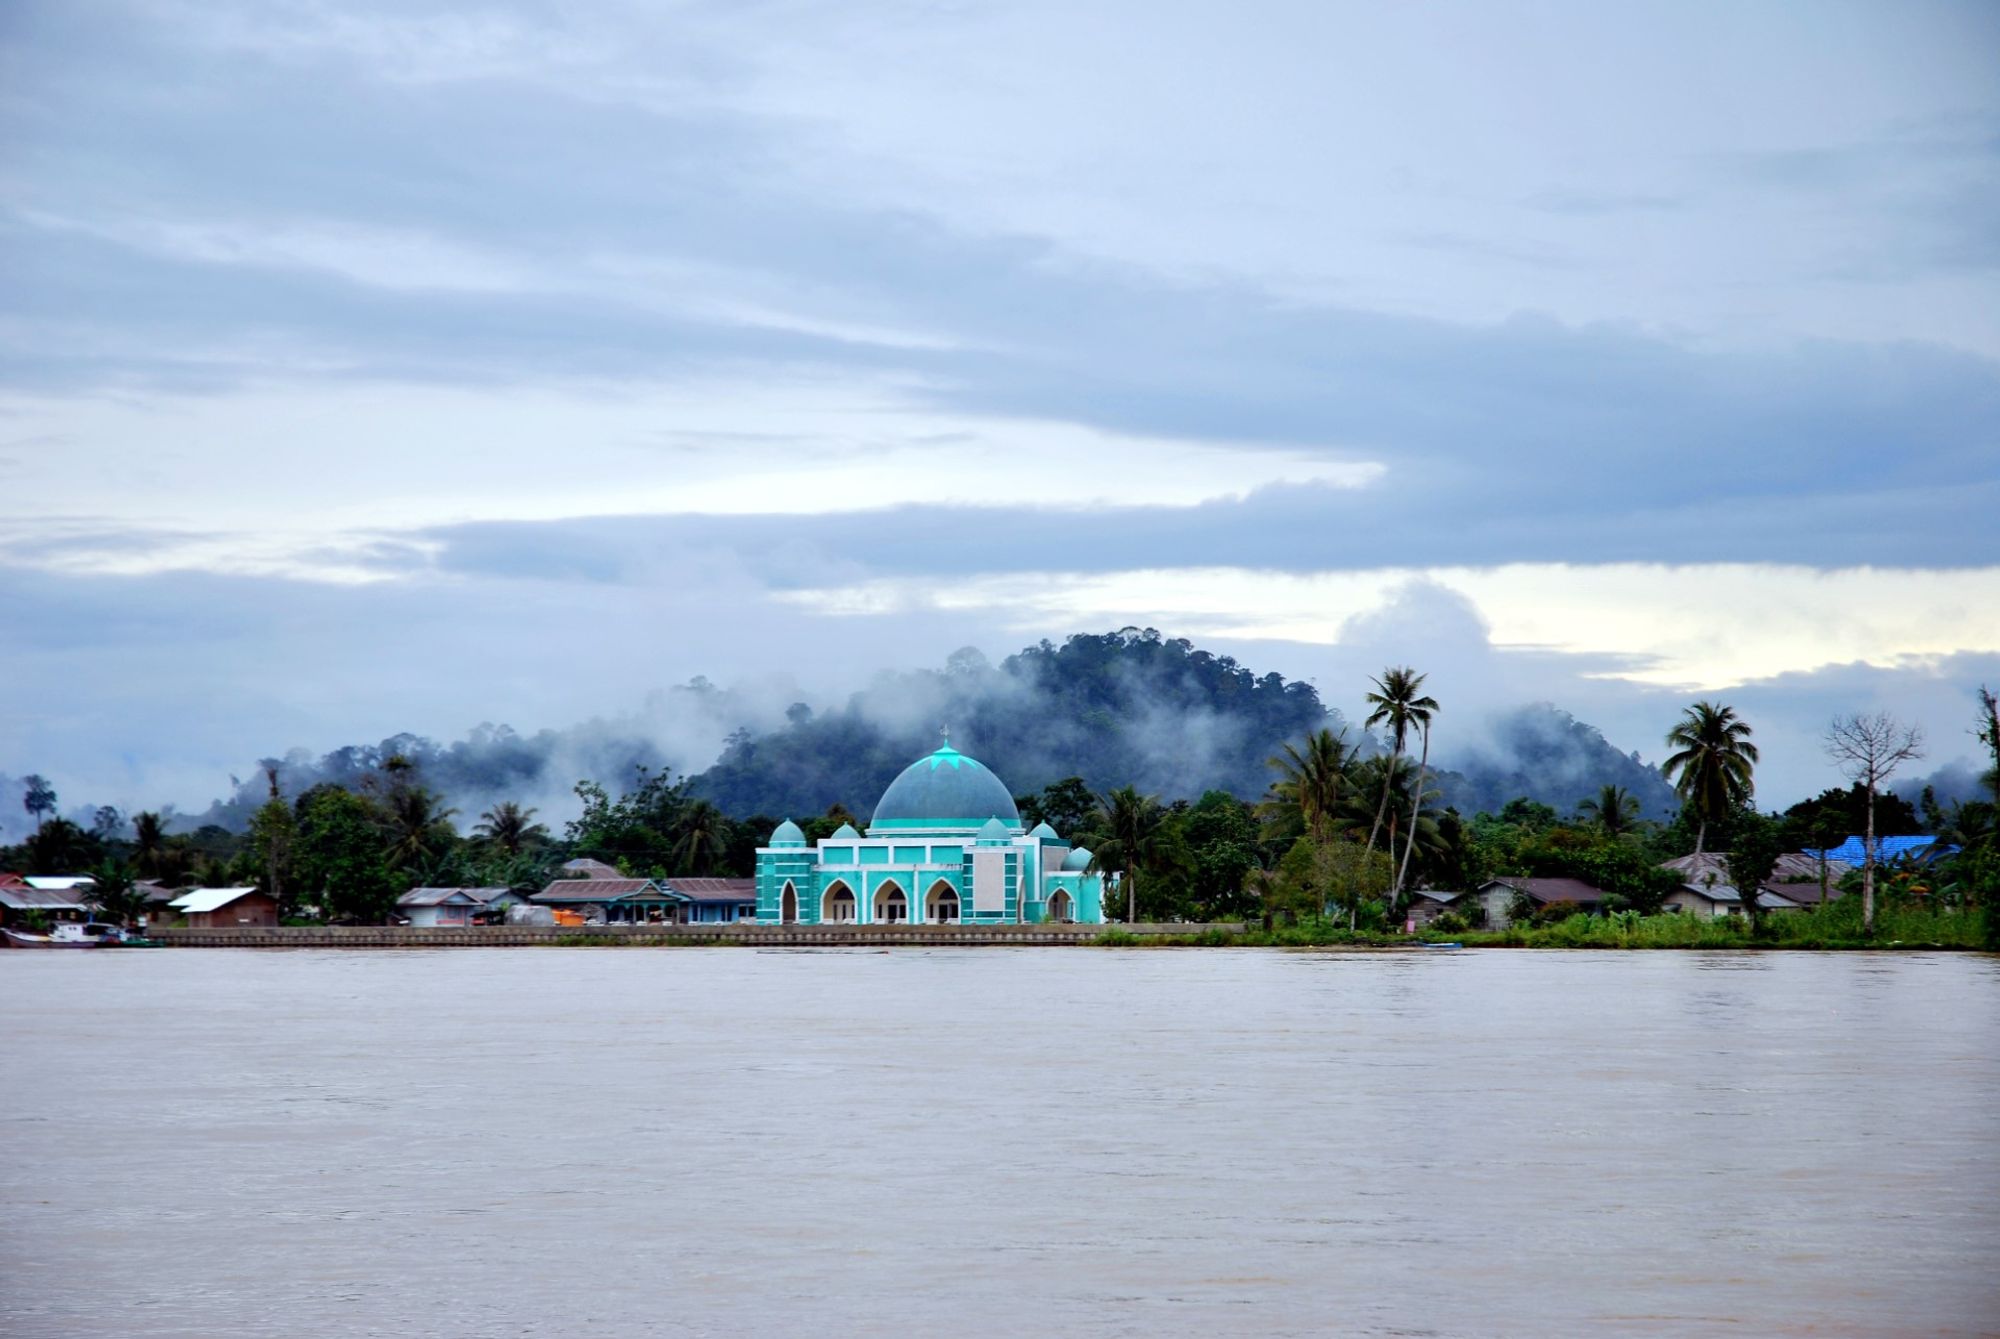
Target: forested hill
<point>1547,755</point>
<point>1124,708</point>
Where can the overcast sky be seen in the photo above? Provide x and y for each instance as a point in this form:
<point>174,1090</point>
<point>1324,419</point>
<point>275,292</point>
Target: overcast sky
<point>403,366</point>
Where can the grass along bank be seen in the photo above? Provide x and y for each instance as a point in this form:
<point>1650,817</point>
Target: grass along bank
<point>1834,926</point>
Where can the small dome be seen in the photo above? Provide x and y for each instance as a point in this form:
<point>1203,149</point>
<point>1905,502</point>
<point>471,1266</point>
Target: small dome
<point>995,831</point>
<point>946,790</point>
<point>845,833</point>
<point>1077,860</point>
<point>1046,835</point>
<point>787,833</point>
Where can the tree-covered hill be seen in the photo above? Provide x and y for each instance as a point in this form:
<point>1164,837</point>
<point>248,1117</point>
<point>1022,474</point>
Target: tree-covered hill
<point>1547,755</point>
<point>1122,708</point>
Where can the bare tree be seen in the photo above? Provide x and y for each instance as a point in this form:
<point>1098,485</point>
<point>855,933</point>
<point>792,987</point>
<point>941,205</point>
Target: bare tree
<point>1869,749</point>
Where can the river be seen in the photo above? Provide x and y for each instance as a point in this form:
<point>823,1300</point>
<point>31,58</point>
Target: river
<point>625,1142</point>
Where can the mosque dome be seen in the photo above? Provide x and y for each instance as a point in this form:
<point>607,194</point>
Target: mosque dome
<point>1046,835</point>
<point>1079,860</point>
<point>946,790</point>
<point>845,833</point>
<point>787,833</point>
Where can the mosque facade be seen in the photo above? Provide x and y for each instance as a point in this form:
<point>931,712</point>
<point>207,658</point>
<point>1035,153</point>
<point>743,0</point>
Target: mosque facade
<point>946,846</point>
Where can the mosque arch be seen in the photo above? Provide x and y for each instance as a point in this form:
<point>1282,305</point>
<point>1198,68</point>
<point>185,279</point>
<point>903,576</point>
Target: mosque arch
<point>1061,908</point>
<point>891,906</point>
<point>836,905</point>
<point>788,905</point>
<point>941,903</point>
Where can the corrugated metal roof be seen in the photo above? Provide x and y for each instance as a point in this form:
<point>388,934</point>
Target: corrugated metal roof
<point>433,897</point>
<point>593,869</point>
<point>594,890</point>
<point>203,900</point>
<point>1551,890</point>
<point>1854,849</point>
<point>56,883</point>
<point>20,897</point>
<point>713,890</point>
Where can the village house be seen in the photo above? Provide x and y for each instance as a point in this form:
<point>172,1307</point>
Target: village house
<point>226,908</point>
<point>1497,896</point>
<point>1426,905</point>
<point>1714,901</point>
<point>427,907</point>
<point>614,900</point>
<point>1795,880</point>
<point>713,901</point>
<point>22,897</point>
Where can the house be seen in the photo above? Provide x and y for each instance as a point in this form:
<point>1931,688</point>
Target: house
<point>452,906</point>
<point>1713,901</point>
<point>1795,876</point>
<point>590,869</point>
<point>20,898</point>
<point>1497,896</point>
<point>1426,905</point>
<point>615,900</point>
<point>226,908</point>
<point>713,901</point>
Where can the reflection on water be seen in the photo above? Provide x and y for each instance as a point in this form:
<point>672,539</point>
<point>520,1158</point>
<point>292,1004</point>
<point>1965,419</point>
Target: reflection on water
<point>999,1141</point>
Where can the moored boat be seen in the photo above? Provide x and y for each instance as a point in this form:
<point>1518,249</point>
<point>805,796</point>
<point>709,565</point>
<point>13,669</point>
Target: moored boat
<point>69,934</point>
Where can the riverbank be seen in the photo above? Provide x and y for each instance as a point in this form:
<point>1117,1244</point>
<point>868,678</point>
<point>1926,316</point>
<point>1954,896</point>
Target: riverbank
<point>1837,926</point>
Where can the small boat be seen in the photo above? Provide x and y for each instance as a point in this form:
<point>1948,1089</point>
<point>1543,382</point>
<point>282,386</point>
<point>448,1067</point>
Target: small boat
<point>1427,944</point>
<point>69,934</point>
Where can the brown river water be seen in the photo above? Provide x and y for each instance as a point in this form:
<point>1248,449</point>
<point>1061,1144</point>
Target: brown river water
<point>625,1142</point>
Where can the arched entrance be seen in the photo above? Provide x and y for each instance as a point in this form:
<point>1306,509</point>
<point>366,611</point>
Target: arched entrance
<point>890,905</point>
<point>837,906</point>
<point>941,904</point>
<point>788,905</point>
<point>1061,908</point>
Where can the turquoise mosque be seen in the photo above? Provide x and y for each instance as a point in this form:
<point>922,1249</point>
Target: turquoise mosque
<point>945,846</point>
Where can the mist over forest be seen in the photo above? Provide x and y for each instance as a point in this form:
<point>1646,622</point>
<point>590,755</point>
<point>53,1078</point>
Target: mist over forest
<point>1127,707</point>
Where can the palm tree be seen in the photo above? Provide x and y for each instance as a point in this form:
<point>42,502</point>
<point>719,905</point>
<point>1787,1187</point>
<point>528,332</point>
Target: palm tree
<point>1714,758</point>
<point>414,821</point>
<point>700,837</point>
<point>149,835</point>
<point>1615,811</point>
<point>38,797</point>
<point>1396,704</point>
<point>1421,714</point>
<point>115,894</point>
<point>1131,826</point>
<point>507,826</point>
<point>1309,781</point>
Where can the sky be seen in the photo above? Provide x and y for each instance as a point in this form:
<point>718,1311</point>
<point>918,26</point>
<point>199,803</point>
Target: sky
<point>403,366</point>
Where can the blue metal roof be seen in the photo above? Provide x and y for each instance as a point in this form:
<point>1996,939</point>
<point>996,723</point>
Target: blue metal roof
<point>1854,849</point>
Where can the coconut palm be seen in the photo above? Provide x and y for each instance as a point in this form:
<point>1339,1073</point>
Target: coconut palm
<point>38,797</point>
<point>1396,703</point>
<point>1130,823</point>
<point>701,835</point>
<point>508,826</point>
<point>1714,759</point>
<point>1310,781</point>
<point>1422,716</point>
<point>416,825</point>
<point>1614,811</point>
<point>149,836</point>
<point>115,894</point>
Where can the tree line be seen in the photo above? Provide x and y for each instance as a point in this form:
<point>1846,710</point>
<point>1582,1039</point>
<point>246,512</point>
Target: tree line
<point>1343,832</point>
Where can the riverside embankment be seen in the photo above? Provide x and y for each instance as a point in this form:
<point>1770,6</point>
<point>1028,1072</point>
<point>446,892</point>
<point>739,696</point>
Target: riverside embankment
<point>753,936</point>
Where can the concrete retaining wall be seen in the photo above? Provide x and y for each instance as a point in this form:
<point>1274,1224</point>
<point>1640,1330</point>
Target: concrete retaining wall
<point>754,936</point>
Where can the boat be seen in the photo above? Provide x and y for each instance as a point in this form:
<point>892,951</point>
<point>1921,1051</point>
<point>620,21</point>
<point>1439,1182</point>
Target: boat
<point>69,934</point>
<point>1429,944</point>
